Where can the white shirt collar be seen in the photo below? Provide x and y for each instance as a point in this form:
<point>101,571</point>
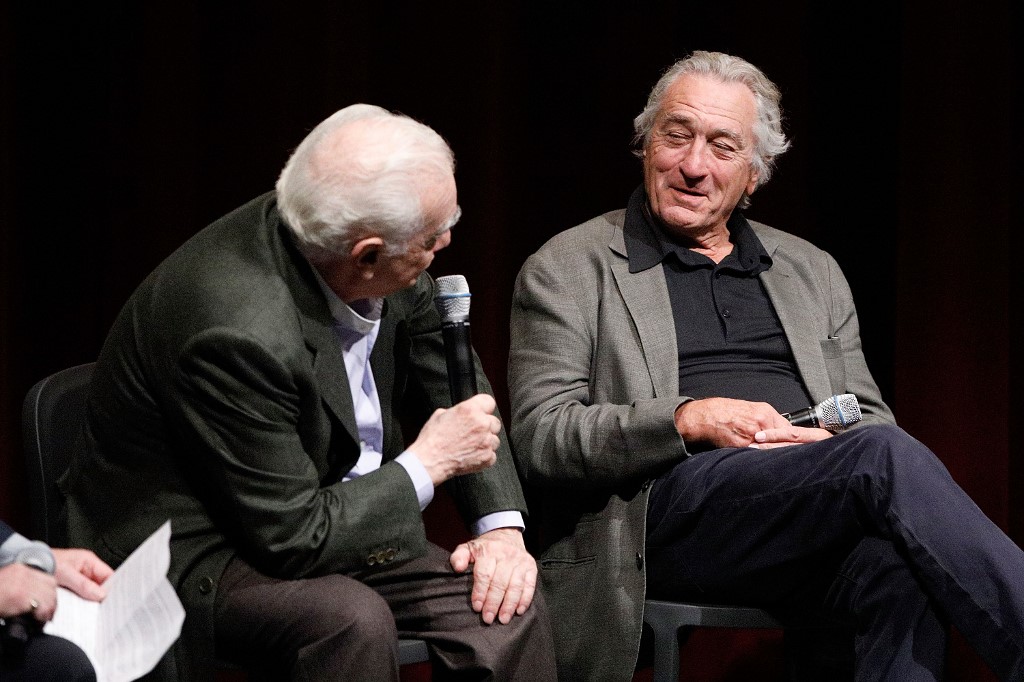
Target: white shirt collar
<point>361,317</point>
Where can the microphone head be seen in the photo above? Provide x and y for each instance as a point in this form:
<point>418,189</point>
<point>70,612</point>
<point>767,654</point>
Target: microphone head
<point>839,411</point>
<point>38,556</point>
<point>452,299</point>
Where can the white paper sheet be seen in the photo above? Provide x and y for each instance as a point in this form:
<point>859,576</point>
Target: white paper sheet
<point>127,633</point>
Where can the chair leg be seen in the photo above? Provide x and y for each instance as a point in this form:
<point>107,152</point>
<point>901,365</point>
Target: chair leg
<point>666,652</point>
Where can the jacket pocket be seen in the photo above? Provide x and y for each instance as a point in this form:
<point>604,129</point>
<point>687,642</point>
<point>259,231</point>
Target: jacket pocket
<point>835,363</point>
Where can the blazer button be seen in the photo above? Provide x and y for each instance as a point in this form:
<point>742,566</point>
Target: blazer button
<point>389,555</point>
<point>371,560</point>
<point>639,561</point>
<point>206,585</point>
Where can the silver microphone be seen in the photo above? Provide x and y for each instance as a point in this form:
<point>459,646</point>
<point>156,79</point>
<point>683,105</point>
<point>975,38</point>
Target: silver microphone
<point>452,301</point>
<point>37,555</point>
<point>835,413</point>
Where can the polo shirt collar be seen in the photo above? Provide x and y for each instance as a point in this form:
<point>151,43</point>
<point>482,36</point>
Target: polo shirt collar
<point>647,244</point>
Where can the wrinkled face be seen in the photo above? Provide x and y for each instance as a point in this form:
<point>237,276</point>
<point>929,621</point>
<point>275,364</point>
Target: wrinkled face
<point>697,161</point>
<point>400,270</point>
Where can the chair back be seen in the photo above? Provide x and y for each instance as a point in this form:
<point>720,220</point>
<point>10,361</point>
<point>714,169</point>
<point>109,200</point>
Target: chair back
<point>51,420</point>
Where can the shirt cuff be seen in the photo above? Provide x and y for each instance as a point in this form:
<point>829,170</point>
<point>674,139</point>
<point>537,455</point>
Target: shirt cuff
<point>502,519</point>
<point>420,478</point>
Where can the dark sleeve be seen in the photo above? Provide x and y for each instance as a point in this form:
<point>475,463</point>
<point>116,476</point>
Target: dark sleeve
<point>495,489</point>
<point>238,416</point>
<point>5,532</point>
<point>564,434</point>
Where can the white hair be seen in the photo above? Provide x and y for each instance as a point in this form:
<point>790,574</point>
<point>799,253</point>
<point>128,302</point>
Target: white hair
<point>364,171</point>
<point>769,140</point>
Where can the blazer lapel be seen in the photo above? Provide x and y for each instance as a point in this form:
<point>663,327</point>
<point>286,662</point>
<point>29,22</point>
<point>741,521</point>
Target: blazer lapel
<point>318,331</point>
<point>645,295</point>
<point>329,372</point>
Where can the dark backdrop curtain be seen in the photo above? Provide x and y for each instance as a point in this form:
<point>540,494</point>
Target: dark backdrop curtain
<point>126,127</point>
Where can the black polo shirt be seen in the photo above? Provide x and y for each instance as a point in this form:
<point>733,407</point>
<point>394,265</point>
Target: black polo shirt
<point>731,343</point>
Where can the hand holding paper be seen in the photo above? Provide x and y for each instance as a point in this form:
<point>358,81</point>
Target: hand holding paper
<point>127,633</point>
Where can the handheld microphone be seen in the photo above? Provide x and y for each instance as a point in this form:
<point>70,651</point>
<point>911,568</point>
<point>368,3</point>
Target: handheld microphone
<point>17,630</point>
<point>452,301</point>
<point>834,413</point>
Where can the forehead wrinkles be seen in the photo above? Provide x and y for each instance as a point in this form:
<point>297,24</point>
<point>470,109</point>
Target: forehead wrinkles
<point>709,105</point>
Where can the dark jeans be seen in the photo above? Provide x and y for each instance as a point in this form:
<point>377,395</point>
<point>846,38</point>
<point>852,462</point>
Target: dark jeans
<point>337,627</point>
<point>865,528</point>
<point>46,658</point>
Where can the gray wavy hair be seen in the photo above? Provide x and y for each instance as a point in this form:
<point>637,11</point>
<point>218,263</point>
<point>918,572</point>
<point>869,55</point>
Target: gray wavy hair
<point>769,140</point>
<point>338,187</point>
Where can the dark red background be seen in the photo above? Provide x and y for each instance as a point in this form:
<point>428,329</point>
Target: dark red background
<point>124,130</point>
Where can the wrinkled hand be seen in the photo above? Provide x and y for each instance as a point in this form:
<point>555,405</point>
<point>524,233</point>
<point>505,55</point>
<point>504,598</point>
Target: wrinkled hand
<point>24,589</point>
<point>460,440</point>
<point>82,572</point>
<point>725,422</point>
<point>504,573</point>
<point>788,435</point>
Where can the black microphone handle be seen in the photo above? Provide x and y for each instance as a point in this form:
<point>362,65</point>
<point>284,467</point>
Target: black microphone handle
<point>805,417</point>
<point>16,633</point>
<point>458,355</point>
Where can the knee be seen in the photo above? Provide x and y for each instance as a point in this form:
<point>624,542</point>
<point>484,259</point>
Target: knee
<point>537,614</point>
<point>356,611</point>
<point>55,659</point>
<point>77,667</point>
<point>533,631</point>
<point>895,452</point>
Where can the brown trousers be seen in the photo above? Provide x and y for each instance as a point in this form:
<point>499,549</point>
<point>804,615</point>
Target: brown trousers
<point>339,627</point>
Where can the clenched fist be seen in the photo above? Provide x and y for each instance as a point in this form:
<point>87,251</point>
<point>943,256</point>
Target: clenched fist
<point>459,440</point>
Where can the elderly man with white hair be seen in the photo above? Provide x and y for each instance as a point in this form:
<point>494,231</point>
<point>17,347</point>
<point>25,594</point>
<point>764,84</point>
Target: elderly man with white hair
<point>254,389</point>
<point>656,352</point>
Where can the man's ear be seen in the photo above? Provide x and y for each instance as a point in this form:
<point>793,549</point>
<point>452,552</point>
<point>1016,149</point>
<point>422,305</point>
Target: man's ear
<point>366,251</point>
<point>752,181</point>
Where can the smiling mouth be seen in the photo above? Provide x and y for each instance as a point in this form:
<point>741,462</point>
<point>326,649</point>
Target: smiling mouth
<point>688,193</point>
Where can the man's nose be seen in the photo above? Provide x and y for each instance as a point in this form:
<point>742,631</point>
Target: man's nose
<point>694,162</point>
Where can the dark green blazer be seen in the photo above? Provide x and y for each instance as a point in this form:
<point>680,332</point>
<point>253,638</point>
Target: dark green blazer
<point>220,401</point>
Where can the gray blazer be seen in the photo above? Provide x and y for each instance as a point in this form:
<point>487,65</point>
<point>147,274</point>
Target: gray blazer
<point>220,401</point>
<point>593,382</point>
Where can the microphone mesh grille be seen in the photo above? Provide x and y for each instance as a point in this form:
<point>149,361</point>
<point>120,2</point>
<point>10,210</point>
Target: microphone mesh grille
<point>37,555</point>
<point>840,411</point>
<point>452,298</point>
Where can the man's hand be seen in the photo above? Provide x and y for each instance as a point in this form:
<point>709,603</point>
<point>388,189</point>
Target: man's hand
<point>504,573</point>
<point>788,435</point>
<point>725,422</point>
<point>82,572</point>
<point>459,440</point>
<point>27,590</point>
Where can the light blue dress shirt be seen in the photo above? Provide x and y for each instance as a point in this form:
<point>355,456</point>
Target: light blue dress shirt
<point>357,327</point>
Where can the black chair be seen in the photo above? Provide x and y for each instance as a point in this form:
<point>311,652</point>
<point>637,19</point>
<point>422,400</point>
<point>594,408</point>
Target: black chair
<point>666,619</point>
<point>52,415</point>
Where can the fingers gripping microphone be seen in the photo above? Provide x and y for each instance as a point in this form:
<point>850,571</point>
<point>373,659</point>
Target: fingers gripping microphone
<point>835,413</point>
<point>17,630</point>
<point>452,303</point>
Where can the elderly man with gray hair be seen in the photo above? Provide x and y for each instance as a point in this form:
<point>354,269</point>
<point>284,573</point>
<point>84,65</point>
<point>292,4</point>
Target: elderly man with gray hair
<point>254,389</point>
<point>656,352</point>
